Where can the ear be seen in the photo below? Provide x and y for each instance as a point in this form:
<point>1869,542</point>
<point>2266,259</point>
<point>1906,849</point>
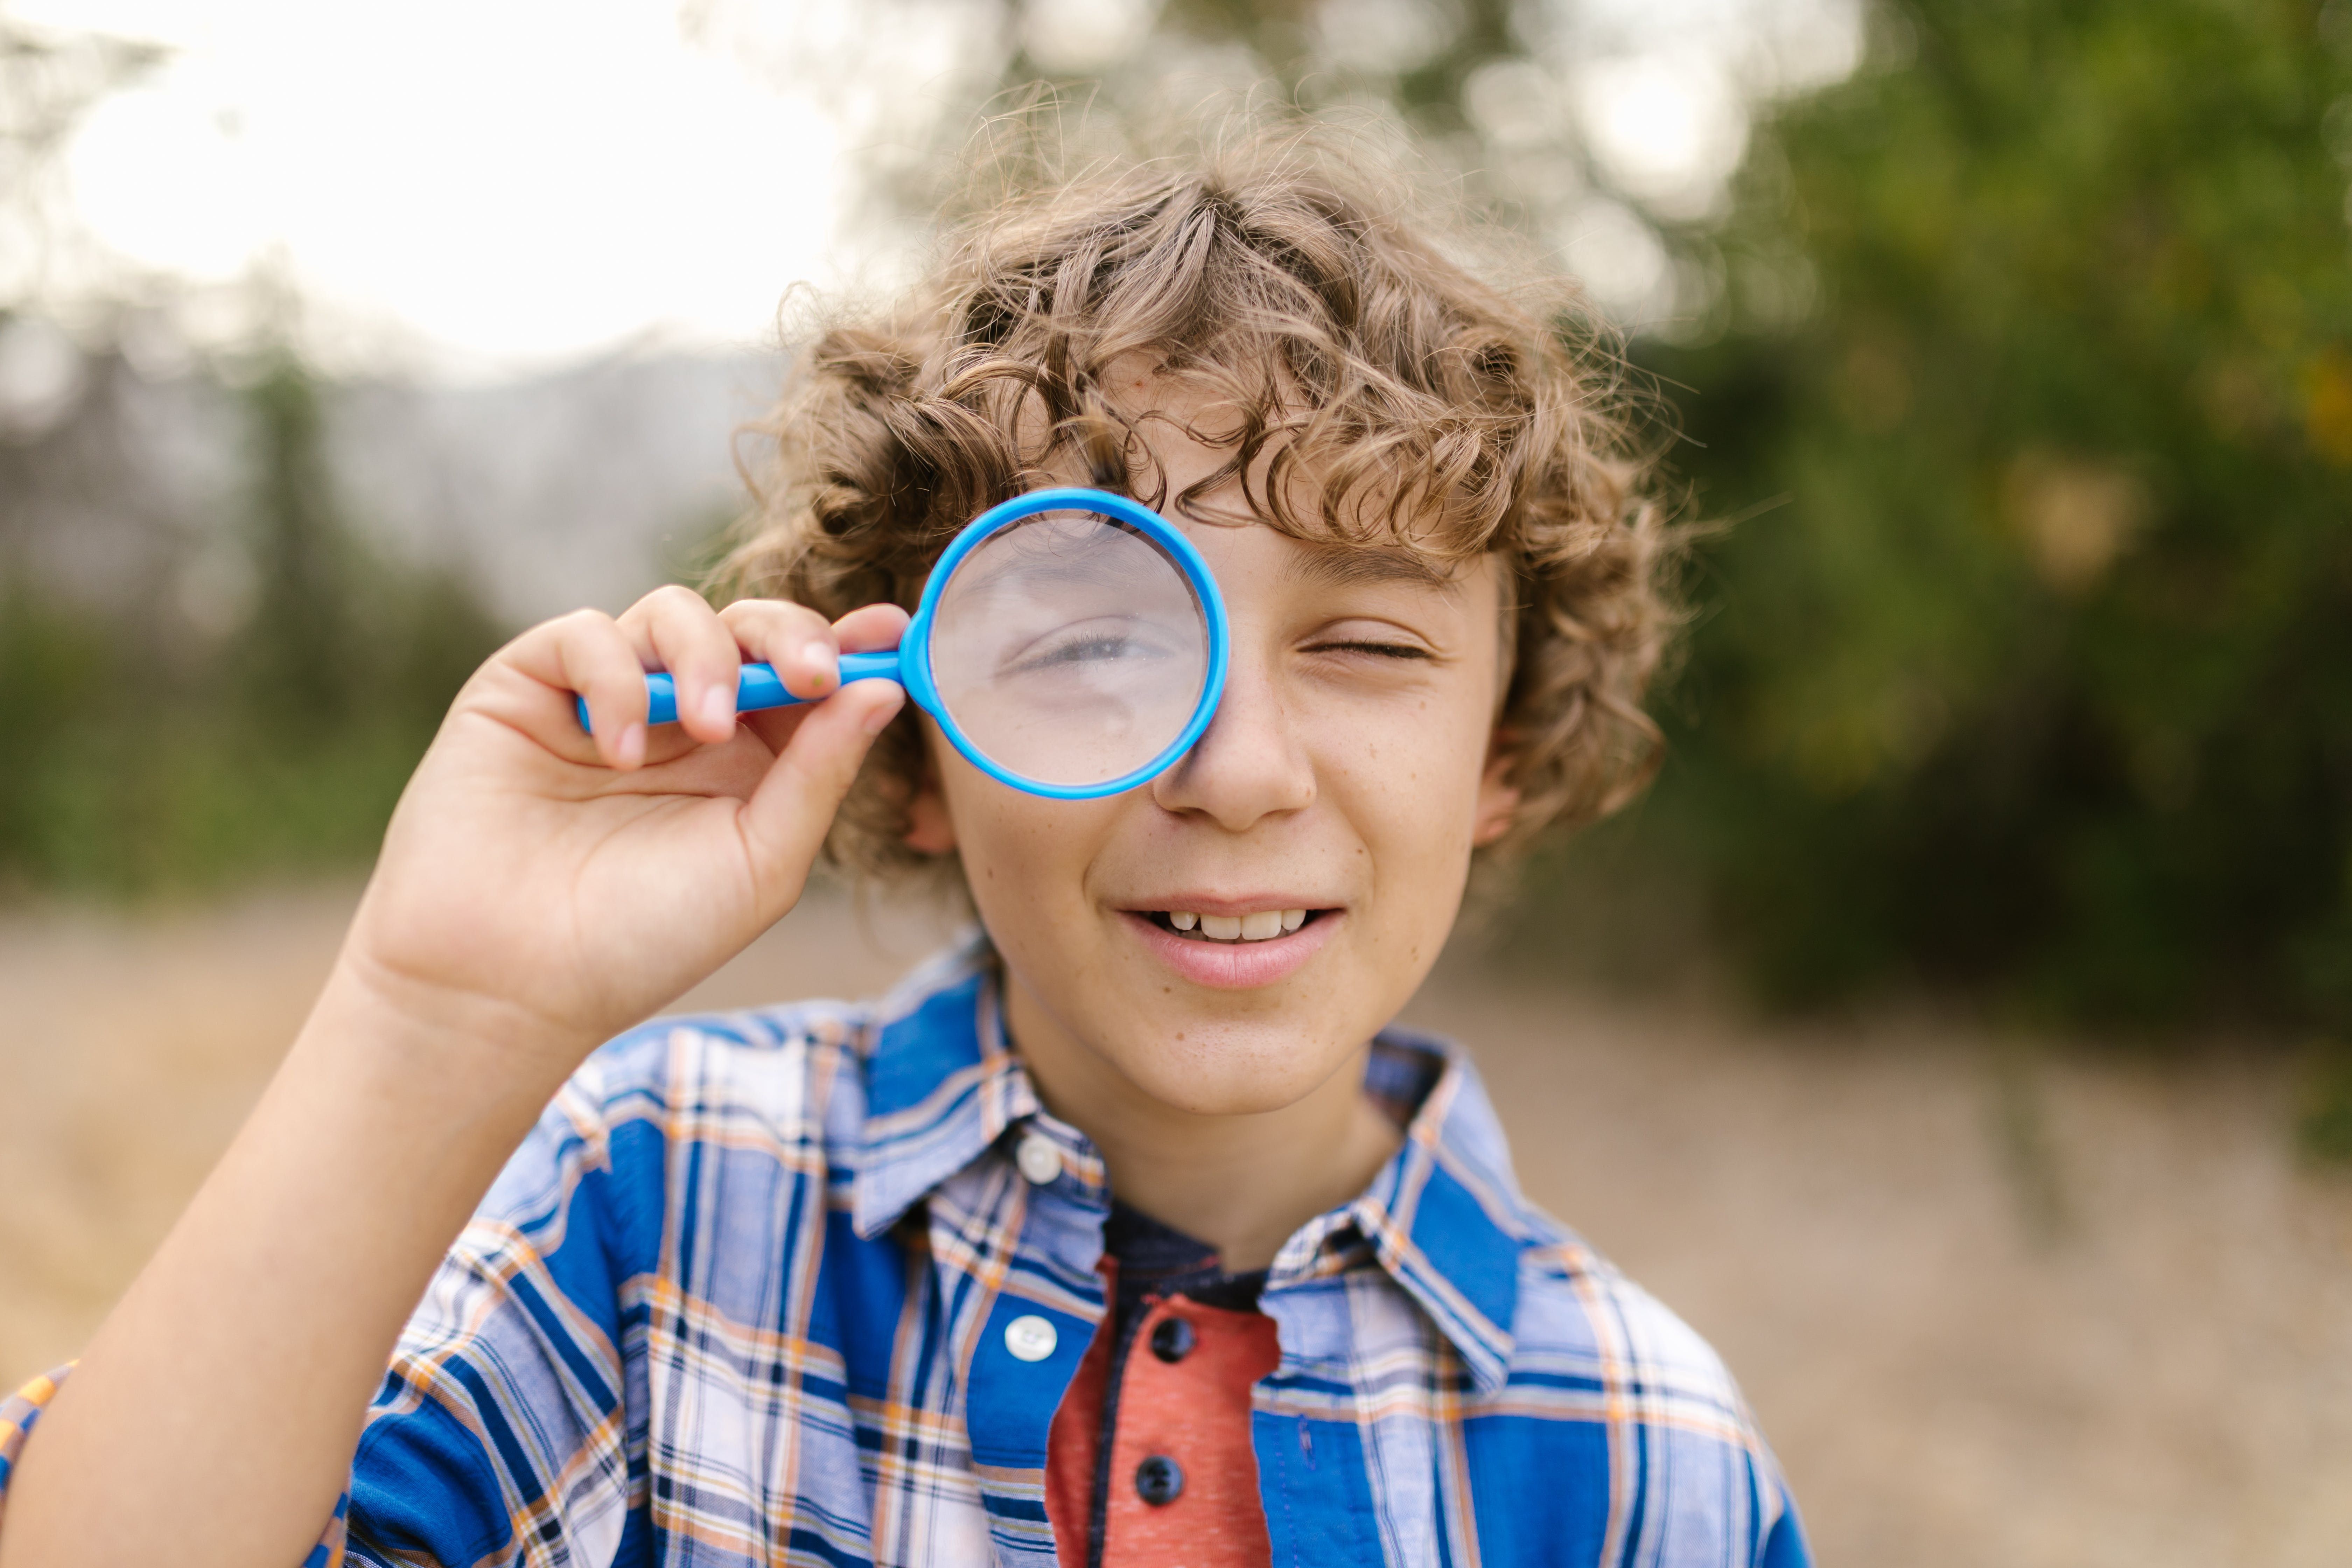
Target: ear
<point>1499,797</point>
<point>929,829</point>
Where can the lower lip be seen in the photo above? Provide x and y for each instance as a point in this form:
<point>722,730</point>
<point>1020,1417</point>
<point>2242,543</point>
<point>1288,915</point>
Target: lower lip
<point>1235,965</point>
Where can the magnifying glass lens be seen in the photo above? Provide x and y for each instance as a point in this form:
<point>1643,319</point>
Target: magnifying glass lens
<point>1069,649</point>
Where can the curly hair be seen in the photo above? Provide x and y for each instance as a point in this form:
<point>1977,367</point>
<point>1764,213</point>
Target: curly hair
<point>1307,295</point>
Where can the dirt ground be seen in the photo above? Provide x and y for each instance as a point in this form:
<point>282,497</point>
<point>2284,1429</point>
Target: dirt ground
<point>1996,1305</point>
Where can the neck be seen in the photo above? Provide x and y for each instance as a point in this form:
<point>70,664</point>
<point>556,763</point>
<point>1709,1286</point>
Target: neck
<point>1241,1183</point>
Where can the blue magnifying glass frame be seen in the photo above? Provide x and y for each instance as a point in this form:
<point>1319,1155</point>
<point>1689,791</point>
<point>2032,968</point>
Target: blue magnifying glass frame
<point>909,664</point>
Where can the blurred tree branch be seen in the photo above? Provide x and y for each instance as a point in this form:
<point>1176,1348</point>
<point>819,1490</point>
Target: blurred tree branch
<point>49,82</point>
<point>146,744</point>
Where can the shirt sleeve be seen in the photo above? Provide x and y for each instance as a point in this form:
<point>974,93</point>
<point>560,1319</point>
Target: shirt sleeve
<point>19,1415</point>
<point>22,1410</point>
<point>503,1431</point>
<point>1786,1546</point>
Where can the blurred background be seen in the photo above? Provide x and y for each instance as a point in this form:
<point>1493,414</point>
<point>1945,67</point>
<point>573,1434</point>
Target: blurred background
<point>1960,1033</point>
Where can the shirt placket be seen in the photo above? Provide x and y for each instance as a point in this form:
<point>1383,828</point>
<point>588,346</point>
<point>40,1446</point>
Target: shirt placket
<point>1042,1239</point>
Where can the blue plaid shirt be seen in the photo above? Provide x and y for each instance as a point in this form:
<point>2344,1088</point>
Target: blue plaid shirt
<point>743,1297</point>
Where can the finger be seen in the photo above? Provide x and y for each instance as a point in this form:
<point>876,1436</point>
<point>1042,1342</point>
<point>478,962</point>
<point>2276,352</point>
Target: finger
<point>676,629</point>
<point>785,821</point>
<point>774,630</point>
<point>587,652</point>
<point>871,629</point>
<point>793,637</point>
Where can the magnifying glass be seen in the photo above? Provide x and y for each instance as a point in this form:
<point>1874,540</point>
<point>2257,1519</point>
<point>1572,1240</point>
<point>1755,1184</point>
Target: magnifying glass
<point>1070,642</point>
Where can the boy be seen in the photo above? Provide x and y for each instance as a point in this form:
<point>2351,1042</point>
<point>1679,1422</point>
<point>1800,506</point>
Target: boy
<point>1128,1234</point>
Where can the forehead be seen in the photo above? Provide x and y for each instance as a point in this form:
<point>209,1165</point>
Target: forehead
<point>1332,563</point>
<point>1255,561</point>
<point>1186,431</point>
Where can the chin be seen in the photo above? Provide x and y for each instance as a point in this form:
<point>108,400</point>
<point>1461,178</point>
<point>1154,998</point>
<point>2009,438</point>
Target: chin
<point>1226,1069</point>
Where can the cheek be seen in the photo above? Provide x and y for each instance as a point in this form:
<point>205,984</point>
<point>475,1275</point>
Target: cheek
<point>1022,856</point>
<point>1408,791</point>
<point>1409,778</point>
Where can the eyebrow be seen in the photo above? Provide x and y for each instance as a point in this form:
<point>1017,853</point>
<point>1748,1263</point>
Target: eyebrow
<point>1346,566</point>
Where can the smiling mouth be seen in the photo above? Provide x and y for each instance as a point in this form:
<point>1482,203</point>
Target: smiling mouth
<point>1263,925</point>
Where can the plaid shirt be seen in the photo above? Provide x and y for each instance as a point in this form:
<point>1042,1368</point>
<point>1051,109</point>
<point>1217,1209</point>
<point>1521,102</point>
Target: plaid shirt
<point>743,1297</point>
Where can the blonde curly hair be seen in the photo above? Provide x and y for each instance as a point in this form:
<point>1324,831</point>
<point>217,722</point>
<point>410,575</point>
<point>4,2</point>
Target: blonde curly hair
<point>1312,297</point>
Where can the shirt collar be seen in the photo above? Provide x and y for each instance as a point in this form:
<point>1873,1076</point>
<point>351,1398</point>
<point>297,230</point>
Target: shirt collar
<point>1444,1216</point>
<point>941,1084</point>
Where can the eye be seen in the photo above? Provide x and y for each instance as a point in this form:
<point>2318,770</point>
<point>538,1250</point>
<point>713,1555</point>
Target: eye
<point>1083,651</point>
<point>1090,647</point>
<point>1375,649</point>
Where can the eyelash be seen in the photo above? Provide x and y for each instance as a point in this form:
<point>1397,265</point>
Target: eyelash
<point>1380,650</point>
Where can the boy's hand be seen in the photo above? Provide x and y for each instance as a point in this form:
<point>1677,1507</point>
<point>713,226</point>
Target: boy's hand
<point>538,891</point>
<point>547,889</point>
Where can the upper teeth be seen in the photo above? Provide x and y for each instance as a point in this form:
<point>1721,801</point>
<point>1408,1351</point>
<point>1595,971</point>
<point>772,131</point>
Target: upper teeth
<point>1254,926</point>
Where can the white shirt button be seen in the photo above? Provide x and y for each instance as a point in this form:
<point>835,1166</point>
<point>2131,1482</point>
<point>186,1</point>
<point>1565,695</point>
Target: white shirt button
<point>1039,1160</point>
<point>1030,1338</point>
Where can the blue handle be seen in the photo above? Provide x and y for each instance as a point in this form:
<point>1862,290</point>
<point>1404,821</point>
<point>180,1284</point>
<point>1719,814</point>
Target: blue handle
<point>756,687</point>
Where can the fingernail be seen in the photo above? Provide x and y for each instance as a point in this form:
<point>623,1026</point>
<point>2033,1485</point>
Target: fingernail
<point>632,749</point>
<point>880,718</point>
<point>823,660</point>
<point>719,707</point>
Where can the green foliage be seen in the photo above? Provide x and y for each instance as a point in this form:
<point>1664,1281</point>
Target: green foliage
<point>2039,678</point>
<point>297,656</point>
<point>131,768</point>
<point>2323,1126</point>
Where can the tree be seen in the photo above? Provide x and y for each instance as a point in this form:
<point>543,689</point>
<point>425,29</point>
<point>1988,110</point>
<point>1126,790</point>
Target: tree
<point>2040,677</point>
<point>137,745</point>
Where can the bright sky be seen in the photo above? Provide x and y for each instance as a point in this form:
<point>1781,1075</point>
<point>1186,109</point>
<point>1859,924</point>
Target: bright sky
<point>515,180</point>
<point>511,183</point>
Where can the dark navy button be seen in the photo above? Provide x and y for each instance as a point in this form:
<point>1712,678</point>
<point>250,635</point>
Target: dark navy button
<point>1160,1480</point>
<point>1173,1340</point>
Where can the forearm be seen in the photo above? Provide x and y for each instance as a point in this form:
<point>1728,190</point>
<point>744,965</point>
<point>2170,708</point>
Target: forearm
<point>539,888</point>
<point>214,1417</point>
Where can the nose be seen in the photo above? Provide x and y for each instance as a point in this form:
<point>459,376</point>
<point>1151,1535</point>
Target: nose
<point>1249,765</point>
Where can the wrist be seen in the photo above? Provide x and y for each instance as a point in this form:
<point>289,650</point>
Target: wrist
<point>422,1041</point>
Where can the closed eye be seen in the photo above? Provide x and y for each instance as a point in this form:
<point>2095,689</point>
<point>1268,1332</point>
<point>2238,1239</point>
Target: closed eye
<point>1376,649</point>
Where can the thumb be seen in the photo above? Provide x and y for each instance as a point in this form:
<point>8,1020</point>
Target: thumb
<point>784,822</point>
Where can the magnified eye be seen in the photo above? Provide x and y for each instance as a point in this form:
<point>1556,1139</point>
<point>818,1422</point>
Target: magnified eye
<point>1074,648</point>
<point>1069,649</point>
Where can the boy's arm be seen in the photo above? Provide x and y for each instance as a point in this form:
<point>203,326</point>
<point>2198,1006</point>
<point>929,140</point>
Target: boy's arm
<point>538,891</point>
